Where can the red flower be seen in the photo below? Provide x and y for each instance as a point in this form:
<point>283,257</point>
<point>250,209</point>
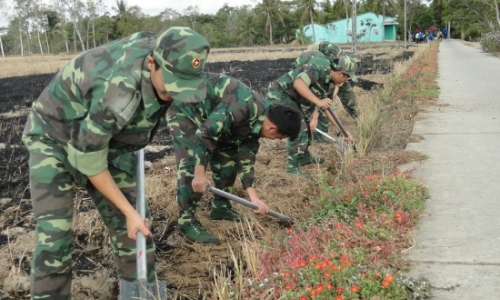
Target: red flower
<point>339,298</point>
<point>346,198</point>
<point>355,288</point>
<point>328,275</point>
<point>340,290</point>
<point>358,224</point>
<point>288,286</point>
<point>303,297</point>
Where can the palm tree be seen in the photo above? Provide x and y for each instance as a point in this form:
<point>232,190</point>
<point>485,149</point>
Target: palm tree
<point>270,9</point>
<point>247,30</point>
<point>377,5</point>
<point>437,7</point>
<point>342,5</point>
<point>308,7</point>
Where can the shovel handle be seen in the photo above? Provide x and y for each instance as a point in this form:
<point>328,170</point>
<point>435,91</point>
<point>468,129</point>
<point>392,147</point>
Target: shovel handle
<point>337,120</point>
<point>140,206</point>
<point>244,202</point>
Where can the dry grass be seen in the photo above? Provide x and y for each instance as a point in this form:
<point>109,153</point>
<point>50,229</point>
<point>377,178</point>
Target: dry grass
<point>43,64</point>
<point>199,269</point>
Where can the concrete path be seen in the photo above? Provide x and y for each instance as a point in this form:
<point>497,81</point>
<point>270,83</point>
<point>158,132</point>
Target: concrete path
<point>458,237</point>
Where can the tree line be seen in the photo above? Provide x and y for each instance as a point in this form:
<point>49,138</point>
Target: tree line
<point>78,25</point>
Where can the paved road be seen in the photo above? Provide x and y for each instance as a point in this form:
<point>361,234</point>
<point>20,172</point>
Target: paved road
<point>458,237</point>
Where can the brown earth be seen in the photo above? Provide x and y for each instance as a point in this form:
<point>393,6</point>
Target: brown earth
<point>188,268</point>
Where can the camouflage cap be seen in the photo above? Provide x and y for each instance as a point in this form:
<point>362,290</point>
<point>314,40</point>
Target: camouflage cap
<point>330,49</point>
<point>347,65</point>
<point>182,53</point>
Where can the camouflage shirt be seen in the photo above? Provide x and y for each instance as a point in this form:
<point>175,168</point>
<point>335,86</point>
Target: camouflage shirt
<point>315,73</point>
<point>346,93</point>
<point>232,114</point>
<point>99,106</point>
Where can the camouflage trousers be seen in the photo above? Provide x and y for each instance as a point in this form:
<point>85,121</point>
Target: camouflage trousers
<point>224,169</point>
<point>51,183</point>
<point>300,145</point>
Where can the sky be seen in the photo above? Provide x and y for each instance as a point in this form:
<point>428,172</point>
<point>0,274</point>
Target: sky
<point>155,7</point>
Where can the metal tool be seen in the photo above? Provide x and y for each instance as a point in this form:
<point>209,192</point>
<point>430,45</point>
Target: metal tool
<point>339,144</point>
<point>245,202</point>
<point>141,289</point>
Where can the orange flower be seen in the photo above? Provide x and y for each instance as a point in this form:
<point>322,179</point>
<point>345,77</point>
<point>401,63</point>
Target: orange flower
<point>287,274</point>
<point>288,286</point>
<point>302,263</point>
<point>303,297</point>
<point>328,275</point>
<point>346,198</point>
<point>333,268</point>
<point>313,293</point>
<point>319,289</point>
<point>387,280</point>
<point>339,298</point>
<point>377,274</point>
<point>329,286</point>
<point>354,288</point>
<point>340,290</point>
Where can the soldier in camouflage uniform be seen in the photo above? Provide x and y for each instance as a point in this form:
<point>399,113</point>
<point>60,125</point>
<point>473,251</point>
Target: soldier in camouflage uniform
<point>223,130</point>
<point>308,86</point>
<point>346,93</point>
<point>102,106</point>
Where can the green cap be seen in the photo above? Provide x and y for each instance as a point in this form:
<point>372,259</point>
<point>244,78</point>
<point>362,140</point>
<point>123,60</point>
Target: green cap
<point>182,53</point>
<point>347,65</point>
<point>330,49</point>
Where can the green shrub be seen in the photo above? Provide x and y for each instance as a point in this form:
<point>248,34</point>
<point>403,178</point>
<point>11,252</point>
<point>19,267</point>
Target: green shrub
<point>490,42</point>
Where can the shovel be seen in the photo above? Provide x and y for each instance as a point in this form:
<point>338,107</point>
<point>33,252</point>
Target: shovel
<point>141,289</point>
<point>245,202</point>
<point>342,129</point>
<point>341,145</point>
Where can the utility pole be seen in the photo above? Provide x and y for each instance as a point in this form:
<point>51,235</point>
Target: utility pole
<point>354,31</point>
<point>406,34</point>
<point>383,20</point>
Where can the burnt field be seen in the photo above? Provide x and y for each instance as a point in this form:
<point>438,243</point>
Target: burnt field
<point>184,266</point>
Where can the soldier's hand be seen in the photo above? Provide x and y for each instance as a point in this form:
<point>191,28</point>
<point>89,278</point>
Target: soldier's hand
<point>313,124</point>
<point>135,224</point>
<point>324,103</point>
<point>348,138</point>
<point>200,182</point>
<point>263,208</point>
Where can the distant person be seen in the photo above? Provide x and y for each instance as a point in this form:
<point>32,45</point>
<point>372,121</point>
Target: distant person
<point>103,105</point>
<point>307,86</point>
<point>430,37</point>
<point>445,33</point>
<point>222,130</point>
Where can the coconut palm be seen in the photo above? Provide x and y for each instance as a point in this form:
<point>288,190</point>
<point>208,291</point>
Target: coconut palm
<point>308,8</point>
<point>247,30</point>
<point>270,9</point>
